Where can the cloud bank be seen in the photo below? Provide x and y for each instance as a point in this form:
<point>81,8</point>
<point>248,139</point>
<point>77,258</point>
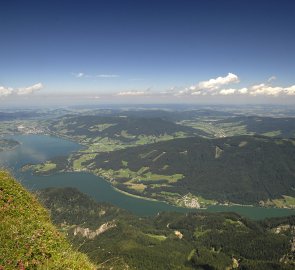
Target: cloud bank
<point>217,86</point>
<point>29,90</point>
<point>210,86</point>
<point>268,90</point>
<point>220,86</point>
<point>226,92</point>
<point>4,91</point>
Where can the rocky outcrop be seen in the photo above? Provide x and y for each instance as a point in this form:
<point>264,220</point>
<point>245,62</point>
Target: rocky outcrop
<point>290,256</point>
<point>178,234</point>
<point>90,234</point>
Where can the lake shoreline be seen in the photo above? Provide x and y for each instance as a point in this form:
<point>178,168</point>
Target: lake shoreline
<point>40,148</point>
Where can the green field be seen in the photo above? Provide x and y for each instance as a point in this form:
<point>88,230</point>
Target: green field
<point>42,168</point>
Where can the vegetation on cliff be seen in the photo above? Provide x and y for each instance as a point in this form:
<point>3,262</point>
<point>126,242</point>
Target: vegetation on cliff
<point>28,238</point>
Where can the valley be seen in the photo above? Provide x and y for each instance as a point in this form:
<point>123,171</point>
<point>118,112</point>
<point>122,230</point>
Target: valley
<point>114,238</point>
<point>156,186</point>
<point>109,237</point>
<point>189,165</point>
<point>147,135</point>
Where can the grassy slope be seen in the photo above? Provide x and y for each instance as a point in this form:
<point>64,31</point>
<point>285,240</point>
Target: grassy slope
<point>28,238</point>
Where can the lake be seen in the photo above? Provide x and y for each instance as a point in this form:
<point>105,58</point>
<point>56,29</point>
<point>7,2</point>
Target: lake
<point>38,148</point>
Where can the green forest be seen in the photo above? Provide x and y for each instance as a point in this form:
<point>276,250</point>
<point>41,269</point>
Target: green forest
<point>198,240</point>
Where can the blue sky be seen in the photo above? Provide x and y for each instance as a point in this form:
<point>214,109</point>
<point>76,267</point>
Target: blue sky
<point>148,50</point>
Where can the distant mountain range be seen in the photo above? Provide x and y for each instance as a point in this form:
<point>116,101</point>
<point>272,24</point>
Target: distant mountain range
<point>126,129</point>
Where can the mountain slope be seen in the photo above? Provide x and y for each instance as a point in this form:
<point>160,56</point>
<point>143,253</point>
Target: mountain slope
<point>269,126</point>
<point>241,169</point>
<point>92,125</point>
<point>198,240</point>
<point>28,238</point>
<point>120,128</point>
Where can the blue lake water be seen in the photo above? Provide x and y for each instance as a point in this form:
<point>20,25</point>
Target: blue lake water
<point>38,148</point>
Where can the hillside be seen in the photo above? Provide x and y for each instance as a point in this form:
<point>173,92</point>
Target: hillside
<point>28,238</point>
<point>112,126</point>
<point>176,115</point>
<point>115,239</point>
<point>241,169</point>
<point>269,126</point>
<point>19,115</point>
<point>108,133</point>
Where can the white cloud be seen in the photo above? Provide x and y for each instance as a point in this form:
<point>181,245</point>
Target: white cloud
<point>226,92</point>
<point>243,91</point>
<point>210,86</point>
<point>267,90</point>
<point>272,78</point>
<point>4,92</point>
<point>145,92</point>
<point>29,90</point>
<point>290,91</point>
<point>196,93</point>
<point>132,93</point>
<point>83,75</point>
<point>214,84</point>
<point>231,91</point>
